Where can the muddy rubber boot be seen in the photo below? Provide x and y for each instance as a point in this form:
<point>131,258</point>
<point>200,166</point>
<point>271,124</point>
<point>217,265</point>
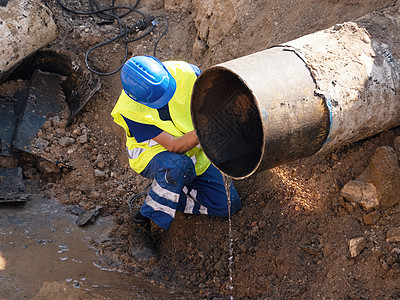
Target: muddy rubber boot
<point>141,247</point>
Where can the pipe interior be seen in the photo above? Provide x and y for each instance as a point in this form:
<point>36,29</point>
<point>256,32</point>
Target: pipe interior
<point>227,121</point>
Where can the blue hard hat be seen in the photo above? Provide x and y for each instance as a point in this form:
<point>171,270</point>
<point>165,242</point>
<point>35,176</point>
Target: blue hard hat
<point>146,80</point>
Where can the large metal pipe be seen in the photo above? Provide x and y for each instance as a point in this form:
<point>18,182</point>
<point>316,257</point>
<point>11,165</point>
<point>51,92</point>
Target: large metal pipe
<point>316,93</point>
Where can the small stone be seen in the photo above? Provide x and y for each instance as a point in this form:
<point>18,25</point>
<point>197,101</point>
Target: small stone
<point>82,139</point>
<point>121,190</point>
<point>377,252</point>
<point>41,143</point>
<point>262,224</point>
<point>337,27</point>
<point>323,168</point>
<point>393,235</point>
<point>77,131</point>
<point>94,195</point>
<point>219,266</point>
<point>356,245</point>
<point>63,124</point>
<point>55,120</point>
<point>40,134</point>
<point>66,141</point>
<point>335,157</point>
<point>362,193</point>
<point>99,173</point>
<point>46,125</point>
<point>60,131</point>
<point>371,218</point>
<point>384,173</point>
<point>101,164</point>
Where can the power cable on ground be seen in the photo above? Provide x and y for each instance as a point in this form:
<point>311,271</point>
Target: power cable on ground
<point>146,25</point>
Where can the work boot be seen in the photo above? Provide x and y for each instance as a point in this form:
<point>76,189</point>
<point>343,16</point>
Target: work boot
<point>141,245</point>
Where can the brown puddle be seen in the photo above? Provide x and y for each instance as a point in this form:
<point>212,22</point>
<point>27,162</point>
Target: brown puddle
<point>43,255</point>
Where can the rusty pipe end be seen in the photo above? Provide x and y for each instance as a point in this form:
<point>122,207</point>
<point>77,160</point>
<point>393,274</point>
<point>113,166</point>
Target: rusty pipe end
<point>228,122</point>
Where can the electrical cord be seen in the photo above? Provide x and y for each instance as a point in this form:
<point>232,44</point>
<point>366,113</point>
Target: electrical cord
<point>133,199</point>
<point>98,11</point>
<point>162,34</point>
<point>147,24</point>
<point>126,42</point>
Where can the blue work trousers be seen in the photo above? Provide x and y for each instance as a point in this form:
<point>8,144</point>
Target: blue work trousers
<point>176,187</point>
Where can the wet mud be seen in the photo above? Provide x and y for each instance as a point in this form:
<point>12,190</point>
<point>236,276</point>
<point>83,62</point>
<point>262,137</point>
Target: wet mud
<point>44,255</point>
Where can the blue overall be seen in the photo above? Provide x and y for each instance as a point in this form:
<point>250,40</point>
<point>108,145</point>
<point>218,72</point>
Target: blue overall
<point>176,187</point>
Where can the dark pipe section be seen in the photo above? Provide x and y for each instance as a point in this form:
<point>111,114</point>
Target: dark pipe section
<point>228,122</point>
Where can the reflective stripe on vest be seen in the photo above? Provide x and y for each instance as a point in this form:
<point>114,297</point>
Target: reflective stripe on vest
<point>140,154</point>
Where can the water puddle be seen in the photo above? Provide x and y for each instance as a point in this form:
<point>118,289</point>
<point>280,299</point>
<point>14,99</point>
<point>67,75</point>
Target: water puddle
<point>228,182</point>
<point>43,255</point>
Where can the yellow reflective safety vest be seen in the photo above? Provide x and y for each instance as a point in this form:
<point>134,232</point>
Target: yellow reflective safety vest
<point>140,154</point>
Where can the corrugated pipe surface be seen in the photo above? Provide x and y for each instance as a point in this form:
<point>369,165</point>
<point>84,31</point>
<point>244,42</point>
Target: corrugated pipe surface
<point>316,93</point>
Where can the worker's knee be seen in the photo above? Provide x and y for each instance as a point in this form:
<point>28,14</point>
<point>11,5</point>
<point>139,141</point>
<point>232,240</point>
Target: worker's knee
<point>173,168</point>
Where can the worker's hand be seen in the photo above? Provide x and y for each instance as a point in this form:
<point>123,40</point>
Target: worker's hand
<point>179,144</point>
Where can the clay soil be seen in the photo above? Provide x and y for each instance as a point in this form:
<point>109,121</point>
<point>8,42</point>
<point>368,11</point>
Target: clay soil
<point>290,240</point>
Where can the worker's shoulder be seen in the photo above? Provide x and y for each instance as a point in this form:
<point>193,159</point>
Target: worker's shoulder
<point>179,67</point>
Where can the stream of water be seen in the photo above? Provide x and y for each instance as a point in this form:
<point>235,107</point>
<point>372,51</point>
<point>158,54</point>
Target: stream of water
<point>228,182</point>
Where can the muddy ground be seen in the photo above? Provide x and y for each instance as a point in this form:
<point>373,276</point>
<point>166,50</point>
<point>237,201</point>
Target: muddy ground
<point>291,237</point>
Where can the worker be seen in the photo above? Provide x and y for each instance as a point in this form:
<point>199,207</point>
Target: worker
<point>154,110</point>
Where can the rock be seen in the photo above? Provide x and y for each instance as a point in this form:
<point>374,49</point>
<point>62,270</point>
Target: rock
<point>357,245</point>
<point>219,266</point>
<point>376,252</point>
<point>55,120</point>
<point>362,193</point>
<point>393,235</point>
<point>46,125</point>
<point>121,190</point>
<point>88,216</point>
<point>262,224</point>
<point>371,218</point>
<point>60,131</point>
<point>82,139</point>
<point>41,143</point>
<point>99,173</point>
<point>66,141</point>
<point>384,173</point>
<point>94,195</point>
<point>63,124</point>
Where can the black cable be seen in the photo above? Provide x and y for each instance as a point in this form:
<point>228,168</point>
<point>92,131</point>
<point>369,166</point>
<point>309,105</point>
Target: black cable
<point>164,32</point>
<point>124,32</point>
<point>110,41</point>
<point>132,200</point>
<point>89,13</point>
